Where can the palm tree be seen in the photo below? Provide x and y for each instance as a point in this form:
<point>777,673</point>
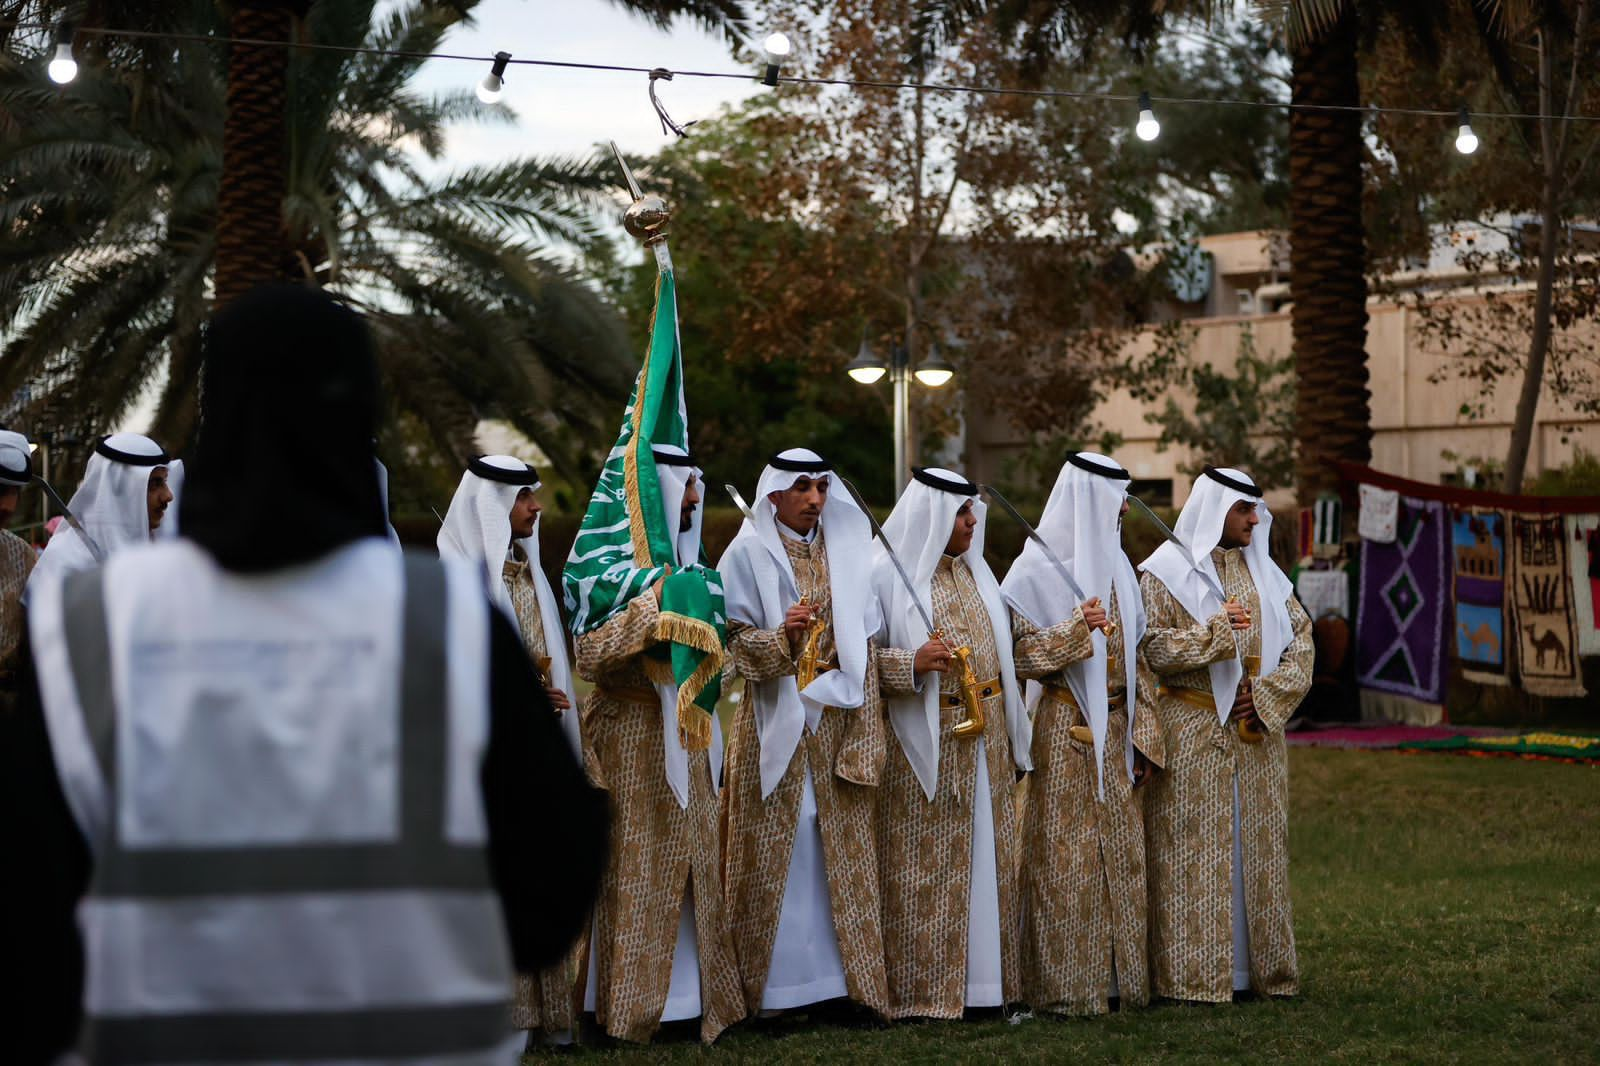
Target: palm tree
<point>111,196</point>
<point>1327,243</point>
<point>252,245</point>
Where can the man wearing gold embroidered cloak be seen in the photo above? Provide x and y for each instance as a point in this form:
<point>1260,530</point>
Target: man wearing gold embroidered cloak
<point>947,819</point>
<point>1094,745</point>
<point>808,744</point>
<point>1231,673</point>
<point>660,950</point>
<point>493,524</point>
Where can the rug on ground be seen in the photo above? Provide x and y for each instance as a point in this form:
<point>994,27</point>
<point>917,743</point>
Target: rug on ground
<point>1569,746</point>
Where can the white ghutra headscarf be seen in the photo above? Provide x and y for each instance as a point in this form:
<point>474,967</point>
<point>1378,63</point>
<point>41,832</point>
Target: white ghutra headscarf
<point>919,528</point>
<point>674,470</point>
<point>113,504</point>
<point>477,529</point>
<point>1082,525</point>
<point>759,584</point>
<point>1200,528</point>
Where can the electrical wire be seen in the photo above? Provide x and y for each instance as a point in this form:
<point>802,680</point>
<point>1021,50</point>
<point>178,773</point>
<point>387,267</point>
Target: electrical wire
<point>790,79</point>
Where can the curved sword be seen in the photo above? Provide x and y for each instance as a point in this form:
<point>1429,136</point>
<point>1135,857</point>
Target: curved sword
<point>1183,549</point>
<point>738,501</point>
<point>1033,535</point>
<point>72,519</point>
<point>905,578</point>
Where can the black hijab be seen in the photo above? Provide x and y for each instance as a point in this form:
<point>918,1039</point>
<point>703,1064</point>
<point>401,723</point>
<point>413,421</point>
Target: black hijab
<point>282,471</point>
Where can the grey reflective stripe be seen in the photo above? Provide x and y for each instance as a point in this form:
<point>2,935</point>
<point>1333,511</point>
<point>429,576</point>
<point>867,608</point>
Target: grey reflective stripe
<point>420,859</point>
<point>83,611</point>
<point>395,1033</point>
<point>424,703</point>
<point>180,873</point>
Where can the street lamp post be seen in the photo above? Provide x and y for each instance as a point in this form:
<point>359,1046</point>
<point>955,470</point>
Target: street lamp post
<point>867,369</point>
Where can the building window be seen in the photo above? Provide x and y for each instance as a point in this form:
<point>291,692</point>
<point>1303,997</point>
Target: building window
<point>1155,492</point>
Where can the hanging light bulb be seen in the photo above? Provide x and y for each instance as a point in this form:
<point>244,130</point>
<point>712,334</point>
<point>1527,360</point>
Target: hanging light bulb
<point>777,47</point>
<point>1466,140</point>
<point>494,82</point>
<point>1147,128</point>
<point>62,67</point>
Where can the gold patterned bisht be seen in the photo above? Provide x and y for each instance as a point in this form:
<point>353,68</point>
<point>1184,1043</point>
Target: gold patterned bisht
<point>542,1001</point>
<point>1084,896</point>
<point>846,756</point>
<point>657,850</point>
<point>923,845</point>
<point>1189,809</point>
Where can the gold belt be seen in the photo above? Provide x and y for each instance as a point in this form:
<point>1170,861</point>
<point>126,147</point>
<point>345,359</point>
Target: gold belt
<point>636,694</point>
<point>986,690</point>
<point>1063,695</point>
<point>1192,696</point>
<point>1079,731</point>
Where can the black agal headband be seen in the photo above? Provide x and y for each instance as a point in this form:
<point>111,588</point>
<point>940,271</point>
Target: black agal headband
<point>1249,488</point>
<point>1114,472</point>
<point>673,459</point>
<point>956,486</point>
<point>161,458</point>
<point>503,474</point>
<point>800,466</point>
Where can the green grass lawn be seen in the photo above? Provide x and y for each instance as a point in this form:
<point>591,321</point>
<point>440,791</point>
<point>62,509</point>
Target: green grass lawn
<point>1447,909</point>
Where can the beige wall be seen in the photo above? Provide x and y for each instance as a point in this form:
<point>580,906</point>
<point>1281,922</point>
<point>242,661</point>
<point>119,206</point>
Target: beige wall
<point>1413,419</point>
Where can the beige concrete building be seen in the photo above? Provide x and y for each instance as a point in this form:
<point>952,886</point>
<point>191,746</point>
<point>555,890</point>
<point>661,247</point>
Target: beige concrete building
<point>1415,420</point>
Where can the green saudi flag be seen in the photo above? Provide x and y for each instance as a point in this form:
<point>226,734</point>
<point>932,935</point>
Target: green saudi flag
<point>626,542</point>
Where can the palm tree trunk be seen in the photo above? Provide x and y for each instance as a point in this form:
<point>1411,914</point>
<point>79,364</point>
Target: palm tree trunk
<point>1328,260</point>
<point>252,247</point>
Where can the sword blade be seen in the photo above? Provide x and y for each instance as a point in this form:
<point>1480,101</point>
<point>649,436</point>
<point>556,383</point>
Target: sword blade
<point>1183,549</point>
<point>877,531</point>
<point>72,519</point>
<point>738,501</point>
<point>627,173</point>
<point>1033,535</point>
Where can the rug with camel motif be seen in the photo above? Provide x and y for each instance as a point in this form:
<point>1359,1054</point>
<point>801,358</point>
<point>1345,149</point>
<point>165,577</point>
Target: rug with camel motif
<point>1478,563</point>
<point>1542,613</point>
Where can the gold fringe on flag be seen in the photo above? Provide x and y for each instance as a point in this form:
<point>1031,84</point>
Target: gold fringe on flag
<point>694,723</point>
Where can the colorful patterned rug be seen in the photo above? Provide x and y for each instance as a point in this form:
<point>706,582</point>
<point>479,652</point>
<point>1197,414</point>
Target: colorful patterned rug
<point>1541,605</point>
<point>1478,551</point>
<point>1405,600</point>
<point>1568,747</point>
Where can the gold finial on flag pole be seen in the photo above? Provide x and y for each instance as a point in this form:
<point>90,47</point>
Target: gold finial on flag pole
<point>647,217</point>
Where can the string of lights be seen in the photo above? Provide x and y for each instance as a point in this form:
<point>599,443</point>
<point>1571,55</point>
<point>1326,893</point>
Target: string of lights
<point>63,68</point>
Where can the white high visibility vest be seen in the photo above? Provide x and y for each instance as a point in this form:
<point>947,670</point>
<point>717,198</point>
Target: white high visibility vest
<point>278,779</point>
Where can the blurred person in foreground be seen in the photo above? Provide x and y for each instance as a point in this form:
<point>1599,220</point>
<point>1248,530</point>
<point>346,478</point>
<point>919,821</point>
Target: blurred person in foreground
<point>268,785</point>
<point>17,557</point>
